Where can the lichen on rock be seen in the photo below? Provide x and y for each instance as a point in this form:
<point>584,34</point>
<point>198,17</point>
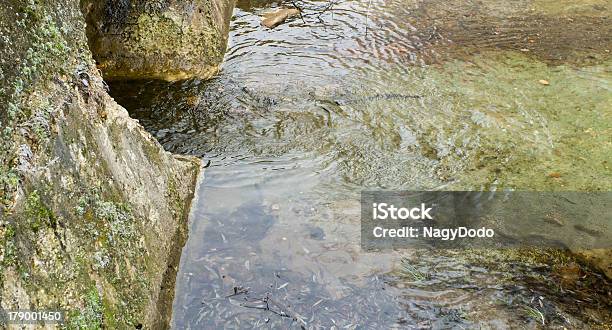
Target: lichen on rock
<point>93,211</point>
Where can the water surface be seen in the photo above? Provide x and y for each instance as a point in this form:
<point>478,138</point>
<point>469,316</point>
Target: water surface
<point>393,94</point>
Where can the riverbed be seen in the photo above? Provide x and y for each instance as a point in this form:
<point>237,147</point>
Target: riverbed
<point>396,94</point>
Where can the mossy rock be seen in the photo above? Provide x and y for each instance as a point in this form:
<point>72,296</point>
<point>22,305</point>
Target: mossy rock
<point>93,212</point>
<point>163,39</point>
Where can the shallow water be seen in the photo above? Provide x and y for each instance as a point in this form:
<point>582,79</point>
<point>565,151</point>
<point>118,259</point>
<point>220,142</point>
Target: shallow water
<point>394,95</point>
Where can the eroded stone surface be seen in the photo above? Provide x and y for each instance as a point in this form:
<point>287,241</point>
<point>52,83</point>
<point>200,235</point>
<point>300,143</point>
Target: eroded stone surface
<point>161,39</point>
<point>92,209</point>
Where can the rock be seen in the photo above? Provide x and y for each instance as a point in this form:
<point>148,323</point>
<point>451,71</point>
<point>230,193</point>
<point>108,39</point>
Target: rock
<point>601,259</point>
<point>274,19</point>
<point>161,39</point>
<point>94,220</point>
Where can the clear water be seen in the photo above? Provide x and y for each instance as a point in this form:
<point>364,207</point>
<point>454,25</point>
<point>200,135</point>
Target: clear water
<point>392,94</point>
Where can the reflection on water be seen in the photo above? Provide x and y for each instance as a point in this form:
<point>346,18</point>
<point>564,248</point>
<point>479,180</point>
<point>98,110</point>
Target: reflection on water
<point>385,94</point>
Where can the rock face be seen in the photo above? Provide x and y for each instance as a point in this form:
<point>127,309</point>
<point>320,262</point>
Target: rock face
<point>93,211</point>
<point>161,39</point>
<point>598,258</point>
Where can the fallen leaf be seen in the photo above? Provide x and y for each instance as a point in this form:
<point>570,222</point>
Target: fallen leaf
<point>553,219</point>
<point>274,19</point>
<point>568,274</point>
<point>193,100</point>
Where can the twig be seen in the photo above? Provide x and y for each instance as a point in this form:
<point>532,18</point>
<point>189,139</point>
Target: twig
<point>367,15</point>
<point>279,310</point>
<point>318,11</point>
<point>287,311</point>
<point>238,290</point>
<point>299,9</point>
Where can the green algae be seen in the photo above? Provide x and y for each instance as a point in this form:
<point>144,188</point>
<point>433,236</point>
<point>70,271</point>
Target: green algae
<point>569,7</point>
<point>535,130</point>
<point>488,120</point>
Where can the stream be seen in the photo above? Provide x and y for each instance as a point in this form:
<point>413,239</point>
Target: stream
<point>385,94</point>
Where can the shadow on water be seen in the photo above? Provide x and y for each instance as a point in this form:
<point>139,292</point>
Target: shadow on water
<point>393,95</point>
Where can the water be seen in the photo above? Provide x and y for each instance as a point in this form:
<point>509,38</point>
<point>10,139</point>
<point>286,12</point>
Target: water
<point>385,94</point>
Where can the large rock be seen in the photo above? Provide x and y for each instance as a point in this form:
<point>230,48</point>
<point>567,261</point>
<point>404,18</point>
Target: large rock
<point>93,211</point>
<point>599,258</point>
<point>162,39</point>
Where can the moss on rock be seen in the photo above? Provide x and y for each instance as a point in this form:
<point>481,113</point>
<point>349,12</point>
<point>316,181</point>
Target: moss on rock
<point>158,39</point>
<point>92,210</point>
